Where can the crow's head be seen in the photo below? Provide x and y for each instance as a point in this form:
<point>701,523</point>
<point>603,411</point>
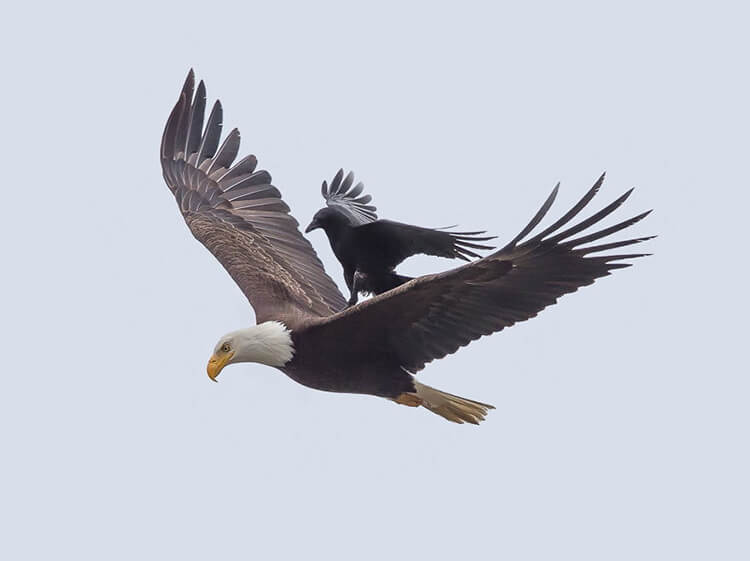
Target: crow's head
<point>328,219</point>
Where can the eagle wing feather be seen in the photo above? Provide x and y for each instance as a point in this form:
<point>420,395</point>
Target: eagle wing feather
<point>237,214</point>
<point>434,315</point>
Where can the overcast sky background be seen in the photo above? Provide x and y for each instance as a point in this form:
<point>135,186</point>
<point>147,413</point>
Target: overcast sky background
<point>621,429</point>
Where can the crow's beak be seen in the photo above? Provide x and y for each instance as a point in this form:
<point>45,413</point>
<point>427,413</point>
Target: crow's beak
<point>313,225</point>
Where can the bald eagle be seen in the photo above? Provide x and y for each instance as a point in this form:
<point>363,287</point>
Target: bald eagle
<point>369,249</point>
<point>303,326</point>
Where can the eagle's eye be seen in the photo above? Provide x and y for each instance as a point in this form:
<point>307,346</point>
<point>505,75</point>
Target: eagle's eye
<point>225,348</point>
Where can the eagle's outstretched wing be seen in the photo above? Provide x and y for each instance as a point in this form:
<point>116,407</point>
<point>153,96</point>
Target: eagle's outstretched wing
<point>433,316</point>
<point>348,200</point>
<point>235,212</point>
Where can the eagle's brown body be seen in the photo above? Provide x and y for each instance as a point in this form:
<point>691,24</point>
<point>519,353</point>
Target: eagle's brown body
<point>370,371</point>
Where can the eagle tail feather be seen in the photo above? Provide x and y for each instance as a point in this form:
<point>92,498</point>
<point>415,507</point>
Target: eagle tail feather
<point>455,409</point>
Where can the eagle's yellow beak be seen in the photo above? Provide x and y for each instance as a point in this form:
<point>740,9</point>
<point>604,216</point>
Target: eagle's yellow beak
<point>217,363</point>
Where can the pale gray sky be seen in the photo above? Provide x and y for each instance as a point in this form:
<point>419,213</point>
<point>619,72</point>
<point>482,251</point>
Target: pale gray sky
<point>622,419</point>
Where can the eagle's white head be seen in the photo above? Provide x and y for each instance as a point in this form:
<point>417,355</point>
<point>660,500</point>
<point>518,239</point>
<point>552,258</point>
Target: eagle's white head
<point>268,343</point>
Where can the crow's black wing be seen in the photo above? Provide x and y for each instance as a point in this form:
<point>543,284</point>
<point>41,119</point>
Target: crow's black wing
<point>348,200</point>
<point>392,242</point>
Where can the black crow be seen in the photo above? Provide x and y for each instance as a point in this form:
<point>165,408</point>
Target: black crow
<point>369,249</point>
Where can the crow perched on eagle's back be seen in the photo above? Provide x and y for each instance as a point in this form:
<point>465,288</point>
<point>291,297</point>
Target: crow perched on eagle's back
<point>369,249</point>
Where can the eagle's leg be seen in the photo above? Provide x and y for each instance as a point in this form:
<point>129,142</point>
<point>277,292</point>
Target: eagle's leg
<point>408,399</point>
